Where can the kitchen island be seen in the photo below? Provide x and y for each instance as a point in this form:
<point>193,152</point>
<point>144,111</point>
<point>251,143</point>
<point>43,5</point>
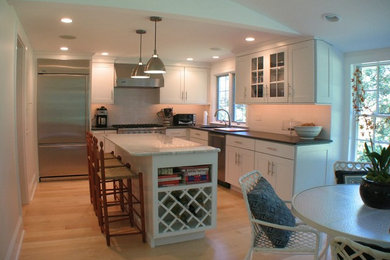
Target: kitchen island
<point>180,184</point>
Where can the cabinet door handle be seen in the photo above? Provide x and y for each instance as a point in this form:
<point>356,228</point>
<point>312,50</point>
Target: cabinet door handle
<point>272,149</point>
<point>238,158</point>
<point>238,142</point>
<point>186,95</point>
<point>272,168</point>
<point>267,167</point>
<point>235,158</point>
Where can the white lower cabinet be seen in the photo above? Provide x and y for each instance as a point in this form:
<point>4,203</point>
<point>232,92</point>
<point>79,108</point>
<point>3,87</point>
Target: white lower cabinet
<point>278,171</point>
<point>240,158</point>
<point>291,169</point>
<point>178,133</point>
<point>199,136</point>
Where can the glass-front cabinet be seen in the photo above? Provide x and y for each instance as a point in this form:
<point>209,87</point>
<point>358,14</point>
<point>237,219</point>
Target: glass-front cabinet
<point>268,77</point>
<point>277,83</point>
<point>257,79</point>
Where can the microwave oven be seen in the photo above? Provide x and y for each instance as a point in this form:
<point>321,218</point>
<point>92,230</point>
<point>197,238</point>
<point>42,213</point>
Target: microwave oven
<point>184,119</point>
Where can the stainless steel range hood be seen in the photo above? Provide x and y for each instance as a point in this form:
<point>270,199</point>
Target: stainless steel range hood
<point>123,79</point>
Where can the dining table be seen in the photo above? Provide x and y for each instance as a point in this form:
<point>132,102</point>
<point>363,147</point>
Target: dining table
<point>338,210</point>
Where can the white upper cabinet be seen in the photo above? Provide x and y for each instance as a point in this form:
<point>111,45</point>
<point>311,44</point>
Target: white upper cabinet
<point>243,82</point>
<point>195,83</point>
<point>297,73</point>
<point>184,85</point>
<point>102,83</point>
<point>309,72</point>
<point>172,92</point>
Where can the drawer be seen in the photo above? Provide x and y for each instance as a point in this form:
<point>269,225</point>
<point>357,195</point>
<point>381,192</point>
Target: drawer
<point>204,135</point>
<point>110,131</point>
<point>245,143</point>
<point>176,132</point>
<point>281,150</point>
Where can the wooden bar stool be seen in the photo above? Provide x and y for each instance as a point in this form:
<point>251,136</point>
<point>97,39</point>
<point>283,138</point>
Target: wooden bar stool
<point>122,209</point>
<point>110,159</point>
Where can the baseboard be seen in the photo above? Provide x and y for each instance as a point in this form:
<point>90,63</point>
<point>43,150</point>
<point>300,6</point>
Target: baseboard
<point>15,244</point>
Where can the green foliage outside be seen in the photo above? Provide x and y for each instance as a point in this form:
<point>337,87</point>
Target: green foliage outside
<point>371,104</point>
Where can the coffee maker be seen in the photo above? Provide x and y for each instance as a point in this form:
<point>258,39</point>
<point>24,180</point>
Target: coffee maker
<point>101,117</point>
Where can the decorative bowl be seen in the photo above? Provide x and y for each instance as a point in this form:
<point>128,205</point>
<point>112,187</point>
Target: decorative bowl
<point>308,132</point>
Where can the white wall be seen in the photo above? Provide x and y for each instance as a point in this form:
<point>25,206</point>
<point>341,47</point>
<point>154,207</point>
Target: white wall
<point>11,222</point>
<point>338,149</point>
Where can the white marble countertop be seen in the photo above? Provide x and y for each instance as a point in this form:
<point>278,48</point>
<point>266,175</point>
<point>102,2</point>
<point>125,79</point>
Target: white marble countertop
<point>156,144</point>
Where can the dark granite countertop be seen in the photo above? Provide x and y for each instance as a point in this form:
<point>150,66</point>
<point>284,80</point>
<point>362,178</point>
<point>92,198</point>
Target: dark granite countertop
<point>94,128</point>
<point>272,137</point>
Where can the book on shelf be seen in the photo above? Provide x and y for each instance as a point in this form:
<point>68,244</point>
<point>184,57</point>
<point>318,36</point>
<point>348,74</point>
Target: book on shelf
<point>169,180</point>
<point>196,170</point>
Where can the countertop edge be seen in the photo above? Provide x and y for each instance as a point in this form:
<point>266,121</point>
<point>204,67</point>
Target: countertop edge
<point>270,137</point>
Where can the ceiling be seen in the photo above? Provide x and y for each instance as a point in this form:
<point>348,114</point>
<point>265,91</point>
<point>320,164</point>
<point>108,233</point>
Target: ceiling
<point>199,29</point>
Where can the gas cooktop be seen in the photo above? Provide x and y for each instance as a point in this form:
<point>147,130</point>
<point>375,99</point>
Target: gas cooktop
<point>137,125</point>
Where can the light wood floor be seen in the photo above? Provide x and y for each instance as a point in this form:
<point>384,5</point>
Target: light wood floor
<point>60,224</point>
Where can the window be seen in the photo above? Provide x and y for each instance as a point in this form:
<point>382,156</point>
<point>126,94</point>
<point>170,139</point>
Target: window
<point>225,99</point>
<point>375,109</point>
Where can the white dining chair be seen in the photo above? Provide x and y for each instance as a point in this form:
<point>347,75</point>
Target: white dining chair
<point>303,240</point>
<point>349,172</point>
<point>346,249</point>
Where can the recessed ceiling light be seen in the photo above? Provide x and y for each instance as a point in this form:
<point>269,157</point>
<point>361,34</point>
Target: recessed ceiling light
<point>66,20</point>
<point>104,53</point>
<point>67,37</point>
<point>331,17</point>
<point>215,57</point>
<point>249,39</point>
<point>190,59</point>
<point>64,48</point>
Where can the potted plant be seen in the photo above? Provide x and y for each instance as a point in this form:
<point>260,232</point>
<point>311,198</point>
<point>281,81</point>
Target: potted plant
<point>375,185</point>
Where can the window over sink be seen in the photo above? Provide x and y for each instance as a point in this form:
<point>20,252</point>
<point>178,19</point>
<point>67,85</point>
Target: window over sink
<point>225,99</point>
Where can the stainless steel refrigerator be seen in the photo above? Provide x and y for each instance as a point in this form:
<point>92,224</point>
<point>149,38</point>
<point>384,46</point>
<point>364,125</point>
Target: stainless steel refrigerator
<point>62,113</point>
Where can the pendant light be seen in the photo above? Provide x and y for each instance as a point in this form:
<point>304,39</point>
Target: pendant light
<point>155,65</point>
<point>138,72</point>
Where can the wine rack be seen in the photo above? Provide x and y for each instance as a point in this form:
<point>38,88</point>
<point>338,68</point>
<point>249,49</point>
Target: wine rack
<point>185,208</point>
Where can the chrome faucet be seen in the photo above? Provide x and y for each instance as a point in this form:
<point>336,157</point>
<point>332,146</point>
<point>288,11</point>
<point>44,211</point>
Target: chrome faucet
<point>230,121</point>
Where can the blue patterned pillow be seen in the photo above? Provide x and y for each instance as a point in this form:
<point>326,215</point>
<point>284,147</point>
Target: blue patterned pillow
<point>267,206</point>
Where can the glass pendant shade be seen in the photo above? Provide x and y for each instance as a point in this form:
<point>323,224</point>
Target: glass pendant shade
<point>139,71</point>
<point>155,64</point>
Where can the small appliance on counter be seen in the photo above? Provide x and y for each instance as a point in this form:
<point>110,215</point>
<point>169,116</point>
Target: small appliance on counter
<point>166,115</point>
<point>101,117</point>
<point>184,119</point>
